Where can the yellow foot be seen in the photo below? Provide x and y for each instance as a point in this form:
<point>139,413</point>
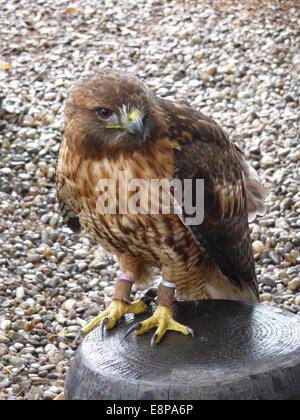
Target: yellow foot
<point>109,318</point>
<point>163,319</point>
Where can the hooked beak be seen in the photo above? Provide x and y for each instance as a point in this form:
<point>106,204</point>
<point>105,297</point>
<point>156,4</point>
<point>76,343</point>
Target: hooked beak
<point>135,124</point>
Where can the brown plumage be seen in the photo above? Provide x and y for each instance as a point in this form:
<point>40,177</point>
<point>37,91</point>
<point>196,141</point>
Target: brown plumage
<point>211,260</point>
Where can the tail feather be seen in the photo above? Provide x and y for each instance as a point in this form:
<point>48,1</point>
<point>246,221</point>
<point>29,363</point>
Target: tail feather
<point>219,288</point>
<point>256,192</point>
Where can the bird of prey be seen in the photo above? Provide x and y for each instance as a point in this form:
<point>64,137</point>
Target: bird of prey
<point>113,125</point>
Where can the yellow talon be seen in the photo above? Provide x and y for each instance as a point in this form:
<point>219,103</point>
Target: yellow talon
<point>116,310</point>
<point>163,320</point>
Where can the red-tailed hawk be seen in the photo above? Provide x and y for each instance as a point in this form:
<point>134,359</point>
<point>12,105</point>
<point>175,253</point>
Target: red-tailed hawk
<point>113,125</point>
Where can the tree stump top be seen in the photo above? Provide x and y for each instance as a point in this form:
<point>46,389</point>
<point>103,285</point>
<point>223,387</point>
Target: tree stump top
<point>240,351</point>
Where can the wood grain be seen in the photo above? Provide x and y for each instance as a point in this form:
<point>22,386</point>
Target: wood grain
<point>240,352</point>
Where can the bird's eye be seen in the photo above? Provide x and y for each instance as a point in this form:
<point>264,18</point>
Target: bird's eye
<point>104,113</point>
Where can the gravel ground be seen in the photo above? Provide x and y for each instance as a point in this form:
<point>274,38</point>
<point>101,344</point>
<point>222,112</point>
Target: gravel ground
<point>236,61</point>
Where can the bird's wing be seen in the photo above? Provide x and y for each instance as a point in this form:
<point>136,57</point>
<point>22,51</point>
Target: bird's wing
<point>207,153</point>
<point>68,206</point>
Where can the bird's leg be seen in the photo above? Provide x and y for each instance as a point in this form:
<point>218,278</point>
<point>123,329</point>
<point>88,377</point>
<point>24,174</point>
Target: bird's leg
<point>119,306</point>
<point>162,317</point>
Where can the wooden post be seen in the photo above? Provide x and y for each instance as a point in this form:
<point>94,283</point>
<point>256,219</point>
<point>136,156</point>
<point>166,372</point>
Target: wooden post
<point>240,352</point>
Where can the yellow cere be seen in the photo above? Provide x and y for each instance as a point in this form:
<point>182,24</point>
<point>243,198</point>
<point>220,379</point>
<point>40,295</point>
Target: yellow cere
<point>134,114</point>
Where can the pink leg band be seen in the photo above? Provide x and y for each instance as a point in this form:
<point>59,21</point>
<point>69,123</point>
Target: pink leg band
<point>123,287</point>
<point>126,277</point>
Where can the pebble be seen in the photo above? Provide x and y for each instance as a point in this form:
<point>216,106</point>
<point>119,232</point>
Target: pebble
<point>81,253</point>
<point>16,361</point>
<point>52,283</point>
<point>258,247</point>
<point>266,161</point>
<point>4,383</point>
<point>50,348</point>
<point>96,297</point>
<point>20,293</point>
<point>199,55</point>
<point>93,310</point>
<point>5,325</point>
<point>3,350</point>
<point>4,339</point>
<point>18,346</point>
<point>70,304</point>
<point>266,297</point>
<point>294,285</point>
<point>212,71</point>
<point>267,281</point>
<point>48,395</point>
<point>275,258</point>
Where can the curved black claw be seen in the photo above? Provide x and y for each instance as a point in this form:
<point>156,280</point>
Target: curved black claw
<point>78,337</point>
<point>103,324</point>
<point>191,332</point>
<point>148,300</point>
<point>153,340</point>
<point>135,327</point>
<point>150,297</point>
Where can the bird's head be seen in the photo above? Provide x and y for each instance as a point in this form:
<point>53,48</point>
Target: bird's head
<point>109,112</point>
